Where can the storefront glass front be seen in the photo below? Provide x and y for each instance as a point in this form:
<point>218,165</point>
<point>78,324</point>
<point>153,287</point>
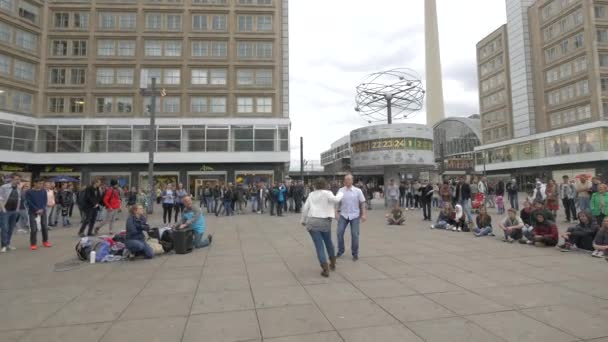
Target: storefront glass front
<point>248,178</point>
<point>123,179</point>
<point>161,179</point>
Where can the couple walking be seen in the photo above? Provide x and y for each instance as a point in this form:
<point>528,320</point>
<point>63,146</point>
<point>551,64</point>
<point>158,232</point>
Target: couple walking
<point>318,211</point>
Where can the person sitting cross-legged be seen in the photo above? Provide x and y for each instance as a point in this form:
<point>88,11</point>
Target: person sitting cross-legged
<point>580,236</point>
<point>484,223</point>
<point>512,226</point>
<point>460,222</point>
<point>545,232</point>
<point>395,216</point>
<point>192,218</point>
<point>600,243</point>
<point>446,218</point>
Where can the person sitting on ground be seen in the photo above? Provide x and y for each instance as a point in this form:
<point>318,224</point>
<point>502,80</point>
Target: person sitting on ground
<point>539,208</point>
<point>580,236</point>
<point>395,216</point>
<point>446,218</point>
<point>526,217</point>
<point>192,218</point>
<point>545,233</point>
<point>460,220</point>
<point>484,223</point>
<point>512,226</point>
<point>135,238</point>
<point>600,243</point>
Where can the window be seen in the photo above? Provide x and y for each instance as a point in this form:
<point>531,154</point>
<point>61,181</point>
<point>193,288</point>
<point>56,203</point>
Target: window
<point>5,32</point>
<point>245,23</point>
<point>57,76</point>
<point>24,70</point>
<point>61,20</point>
<point>22,102</point>
<point>119,137</point>
<point>79,47</point>
<point>69,139</point>
<point>26,40</point>
<point>217,139</point>
<point>261,50</point>
<point>5,65</point>
<point>264,140</point>
<point>126,48</point>
<point>152,73</point>
<point>218,76</point>
<point>106,48</point>
<point>218,104</point>
<point>209,2</point>
<point>284,138</point>
<point>173,48</point>
<point>124,104</point>
<point>243,138</point>
<point>77,76</point>
<point>153,48</point>
<point>171,104</point>
<point>604,83</point>
<point>264,23</point>
<point>264,105</point>
<point>602,35</point>
<point>604,60</point>
<point>245,49</point>
<point>153,21</point>
<point>264,50</point>
<point>600,11</point>
<point>244,77</point>
<point>104,105</point>
<point>578,41</point>
<point>76,105</point>
<point>171,76</point>
<point>174,22</point>
<point>254,77</point>
<point>199,22</point>
<point>219,22</point>
<point>169,139</point>
<point>199,77</point>
<point>28,11</point>
<point>127,21</point>
<point>105,76</point>
<point>215,49</point>
<point>198,104</point>
<point>124,76</point>
<point>107,21</point>
<point>81,21</point>
<point>56,105</point>
<point>244,104</point>
<point>60,48</point>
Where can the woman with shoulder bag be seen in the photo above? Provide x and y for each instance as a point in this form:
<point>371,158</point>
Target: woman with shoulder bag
<point>317,214</point>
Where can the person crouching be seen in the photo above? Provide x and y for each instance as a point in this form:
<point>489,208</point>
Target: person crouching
<point>135,239</point>
<point>192,217</point>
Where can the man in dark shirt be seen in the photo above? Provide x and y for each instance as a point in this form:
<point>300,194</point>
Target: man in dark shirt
<point>10,200</point>
<point>36,199</point>
<point>425,198</point>
<point>92,198</point>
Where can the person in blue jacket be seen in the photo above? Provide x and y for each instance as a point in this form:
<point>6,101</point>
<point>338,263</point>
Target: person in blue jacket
<point>281,199</point>
<point>135,239</point>
<point>192,217</point>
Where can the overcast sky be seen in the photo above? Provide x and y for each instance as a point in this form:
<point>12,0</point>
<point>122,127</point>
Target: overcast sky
<point>334,44</point>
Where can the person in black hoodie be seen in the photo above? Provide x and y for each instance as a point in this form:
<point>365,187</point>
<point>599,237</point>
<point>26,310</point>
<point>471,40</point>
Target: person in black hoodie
<point>90,205</point>
<point>463,197</point>
<point>582,234</point>
<point>426,197</point>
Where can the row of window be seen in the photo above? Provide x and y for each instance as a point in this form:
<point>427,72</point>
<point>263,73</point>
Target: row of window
<point>492,65</point>
<point>555,7</point>
<point>593,140</point>
<point>162,48</point>
<point>127,21</point>
<point>568,93</point>
<point>16,101</point>
<point>493,82</point>
<point>178,2</point>
<point>17,69</point>
<point>60,76</point>
<point>567,70</point>
<point>23,9</point>
<point>493,100</point>
<point>102,139</point>
<point>21,39</point>
<point>199,104</point>
<point>565,24</point>
<point>493,118</point>
<point>564,48</point>
<point>570,116</point>
<point>495,134</point>
<point>491,47</point>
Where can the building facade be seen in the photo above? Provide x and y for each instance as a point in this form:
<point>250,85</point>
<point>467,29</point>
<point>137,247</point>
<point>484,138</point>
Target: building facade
<point>72,70</point>
<point>336,160</point>
<point>566,41</point>
<point>454,142</point>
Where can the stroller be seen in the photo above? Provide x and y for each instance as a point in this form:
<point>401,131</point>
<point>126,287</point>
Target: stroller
<point>478,202</point>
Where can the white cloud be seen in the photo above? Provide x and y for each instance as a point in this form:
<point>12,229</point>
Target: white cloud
<point>335,44</point>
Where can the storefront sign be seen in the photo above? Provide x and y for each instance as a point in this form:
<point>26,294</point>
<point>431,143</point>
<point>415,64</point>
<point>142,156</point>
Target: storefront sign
<point>57,169</point>
<point>206,168</point>
<point>12,168</point>
<point>393,144</point>
<point>459,164</point>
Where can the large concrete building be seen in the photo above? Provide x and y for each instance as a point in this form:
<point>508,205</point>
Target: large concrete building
<point>70,78</point>
<point>553,93</point>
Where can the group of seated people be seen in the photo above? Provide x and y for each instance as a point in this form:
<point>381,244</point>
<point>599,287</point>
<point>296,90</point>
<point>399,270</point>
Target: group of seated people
<point>192,218</point>
<point>534,225</point>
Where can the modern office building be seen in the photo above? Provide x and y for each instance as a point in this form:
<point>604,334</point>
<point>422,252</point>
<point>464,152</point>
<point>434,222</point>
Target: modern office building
<point>70,99</point>
<point>454,141</point>
<point>558,52</point>
<point>336,160</point>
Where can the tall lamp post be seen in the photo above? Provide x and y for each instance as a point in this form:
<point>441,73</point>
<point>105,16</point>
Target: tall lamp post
<point>152,92</point>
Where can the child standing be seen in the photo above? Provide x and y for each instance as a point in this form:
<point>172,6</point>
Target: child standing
<point>500,205</point>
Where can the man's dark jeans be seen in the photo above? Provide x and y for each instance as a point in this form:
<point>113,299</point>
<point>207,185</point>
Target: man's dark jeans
<point>570,208</point>
<point>90,216</point>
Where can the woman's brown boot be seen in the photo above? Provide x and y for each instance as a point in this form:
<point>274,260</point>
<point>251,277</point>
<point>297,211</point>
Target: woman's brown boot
<point>332,263</point>
<point>325,268</point>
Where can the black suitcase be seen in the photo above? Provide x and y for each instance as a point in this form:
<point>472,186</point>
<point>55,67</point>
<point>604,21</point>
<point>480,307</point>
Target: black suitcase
<point>182,240</point>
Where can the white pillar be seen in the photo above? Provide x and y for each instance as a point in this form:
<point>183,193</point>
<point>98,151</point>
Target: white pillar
<point>434,85</point>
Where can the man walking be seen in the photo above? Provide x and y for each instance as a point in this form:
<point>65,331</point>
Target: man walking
<point>426,198</point>
<point>351,211</point>
<point>36,205</point>
<point>10,202</point>
<point>90,205</point>
<point>111,200</point>
<point>567,192</point>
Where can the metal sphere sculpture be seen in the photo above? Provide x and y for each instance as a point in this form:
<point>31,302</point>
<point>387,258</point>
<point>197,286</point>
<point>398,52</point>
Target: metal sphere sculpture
<point>381,94</point>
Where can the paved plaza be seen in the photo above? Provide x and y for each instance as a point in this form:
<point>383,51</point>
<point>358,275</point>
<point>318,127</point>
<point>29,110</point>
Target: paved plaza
<point>260,281</point>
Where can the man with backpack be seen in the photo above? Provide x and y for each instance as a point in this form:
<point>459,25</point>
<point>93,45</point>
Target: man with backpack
<point>89,202</point>
<point>111,201</point>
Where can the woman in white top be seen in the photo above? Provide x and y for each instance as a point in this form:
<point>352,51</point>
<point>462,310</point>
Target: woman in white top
<point>317,213</point>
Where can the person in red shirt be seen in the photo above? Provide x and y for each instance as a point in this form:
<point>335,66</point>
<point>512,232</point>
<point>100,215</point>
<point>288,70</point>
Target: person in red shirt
<point>545,232</point>
<point>111,200</point>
